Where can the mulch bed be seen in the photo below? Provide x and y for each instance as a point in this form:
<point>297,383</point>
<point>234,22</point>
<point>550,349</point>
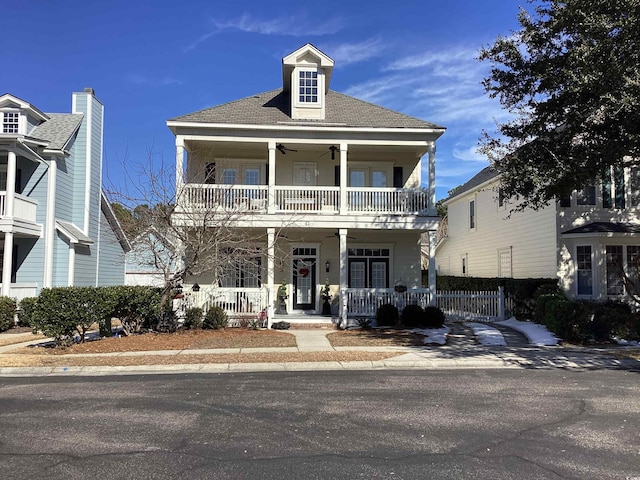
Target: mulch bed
<point>181,340</point>
<point>376,338</point>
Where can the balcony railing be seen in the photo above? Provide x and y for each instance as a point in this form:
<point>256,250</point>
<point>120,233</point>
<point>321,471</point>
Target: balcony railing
<point>23,207</point>
<point>294,199</point>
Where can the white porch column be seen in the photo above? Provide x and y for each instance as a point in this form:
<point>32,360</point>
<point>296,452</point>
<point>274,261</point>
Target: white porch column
<point>344,279</point>
<point>432,267</point>
<point>271,206</point>
<point>179,163</point>
<point>50,224</point>
<point>11,185</point>
<point>7,265</point>
<point>344,175</point>
<point>271,251</point>
<point>72,265</point>
<point>432,178</point>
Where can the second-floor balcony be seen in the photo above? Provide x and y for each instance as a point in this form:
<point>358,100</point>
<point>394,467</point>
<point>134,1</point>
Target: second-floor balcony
<point>294,199</point>
<point>24,208</point>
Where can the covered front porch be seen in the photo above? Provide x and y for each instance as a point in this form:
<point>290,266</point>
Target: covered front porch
<point>317,273</point>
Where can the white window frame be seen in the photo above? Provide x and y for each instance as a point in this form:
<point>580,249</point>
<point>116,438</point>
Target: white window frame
<point>368,169</point>
<point>577,275</point>
<point>18,121</point>
<point>319,87</point>
<point>240,166</point>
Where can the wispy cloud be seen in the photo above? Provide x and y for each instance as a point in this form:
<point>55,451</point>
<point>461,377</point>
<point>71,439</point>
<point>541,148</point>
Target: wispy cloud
<point>292,25</point>
<point>151,81</point>
<point>354,52</point>
<point>468,153</point>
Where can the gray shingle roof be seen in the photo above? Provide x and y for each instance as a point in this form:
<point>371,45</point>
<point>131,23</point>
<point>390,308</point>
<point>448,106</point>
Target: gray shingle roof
<point>479,178</point>
<point>604,227</point>
<point>58,129</point>
<point>273,108</point>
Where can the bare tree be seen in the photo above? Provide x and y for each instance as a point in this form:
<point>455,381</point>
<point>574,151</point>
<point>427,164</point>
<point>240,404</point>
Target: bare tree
<point>185,232</point>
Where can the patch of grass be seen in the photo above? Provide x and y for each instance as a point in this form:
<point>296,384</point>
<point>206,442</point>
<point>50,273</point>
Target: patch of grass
<point>375,338</point>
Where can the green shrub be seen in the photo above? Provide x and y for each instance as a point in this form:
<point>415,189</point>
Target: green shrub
<point>364,323</point>
<point>7,313</point>
<point>281,325</point>
<point>137,307</point>
<point>254,324</point>
<point>433,317</point>
<point>63,311</point>
<point>193,318</point>
<point>412,316</point>
<point>25,312</point>
<point>569,320</point>
<point>387,315</point>
<point>215,318</point>
<point>541,306</point>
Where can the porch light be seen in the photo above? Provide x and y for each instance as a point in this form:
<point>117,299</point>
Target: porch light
<point>326,266</point>
<point>333,149</point>
<point>195,287</point>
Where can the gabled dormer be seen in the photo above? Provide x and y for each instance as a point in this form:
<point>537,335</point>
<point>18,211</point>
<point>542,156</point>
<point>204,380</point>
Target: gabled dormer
<point>306,74</point>
<point>18,117</point>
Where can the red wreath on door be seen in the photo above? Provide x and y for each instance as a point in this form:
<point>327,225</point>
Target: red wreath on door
<point>303,272</point>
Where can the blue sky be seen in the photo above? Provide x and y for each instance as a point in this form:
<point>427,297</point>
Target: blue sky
<point>149,61</point>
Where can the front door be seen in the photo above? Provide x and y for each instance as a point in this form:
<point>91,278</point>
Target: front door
<point>304,283</point>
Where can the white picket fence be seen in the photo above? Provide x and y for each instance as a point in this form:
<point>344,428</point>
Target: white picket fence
<point>478,305</point>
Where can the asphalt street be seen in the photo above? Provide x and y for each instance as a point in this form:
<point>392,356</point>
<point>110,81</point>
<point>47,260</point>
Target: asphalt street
<point>449,424</point>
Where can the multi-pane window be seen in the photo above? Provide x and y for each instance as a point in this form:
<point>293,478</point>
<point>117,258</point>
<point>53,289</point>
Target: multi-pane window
<point>634,181</point>
<point>308,87</point>
<point>585,270</point>
<point>229,176</point>
<point>369,267</point>
<point>241,271</point>
<point>614,273</point>
<point>633,265</point>
<point>587,196</point>
<point>10,121</point>
<point>613,188</point>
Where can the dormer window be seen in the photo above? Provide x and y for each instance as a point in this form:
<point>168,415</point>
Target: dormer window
<point>308,86</point>
<point>10,122</point>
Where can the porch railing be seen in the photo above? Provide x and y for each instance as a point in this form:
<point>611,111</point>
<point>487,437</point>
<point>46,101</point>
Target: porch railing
<point>225,197</point>
<point>366,301</point>
<point>20,292</point>
<point>387,200</point>
<point>295,199</point>
<point>235,301</point>
<point>23,207</point>
<point>307,199</point>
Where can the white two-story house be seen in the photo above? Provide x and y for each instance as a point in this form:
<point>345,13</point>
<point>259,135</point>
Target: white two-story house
<point>582,240</point>
<point>331,185</point>
<point>56,225</point>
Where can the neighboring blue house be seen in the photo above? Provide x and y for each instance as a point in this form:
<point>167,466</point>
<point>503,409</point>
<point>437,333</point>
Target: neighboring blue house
<point>57,227</point>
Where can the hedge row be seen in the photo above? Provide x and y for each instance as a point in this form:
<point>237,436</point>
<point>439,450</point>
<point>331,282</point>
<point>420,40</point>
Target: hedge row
<point>583,322</point>
<point>413,316</point>
<point>64,312</point>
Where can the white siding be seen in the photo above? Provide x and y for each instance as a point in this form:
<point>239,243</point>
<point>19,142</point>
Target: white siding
<point>530,236</point>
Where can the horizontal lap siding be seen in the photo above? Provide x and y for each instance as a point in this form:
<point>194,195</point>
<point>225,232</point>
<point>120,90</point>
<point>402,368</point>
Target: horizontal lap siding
<point>111,268</point>
<point>531,234</point>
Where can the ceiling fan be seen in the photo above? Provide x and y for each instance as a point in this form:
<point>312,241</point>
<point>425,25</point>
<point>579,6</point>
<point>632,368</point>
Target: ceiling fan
<point>283,150</point>
<point>337,235</point>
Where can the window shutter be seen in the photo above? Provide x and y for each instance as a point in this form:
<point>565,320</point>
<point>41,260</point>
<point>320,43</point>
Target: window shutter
<point>397,177</point>
<point>336,170</point>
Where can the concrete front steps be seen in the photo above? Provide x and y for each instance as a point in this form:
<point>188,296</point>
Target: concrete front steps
<point>302,321</point>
